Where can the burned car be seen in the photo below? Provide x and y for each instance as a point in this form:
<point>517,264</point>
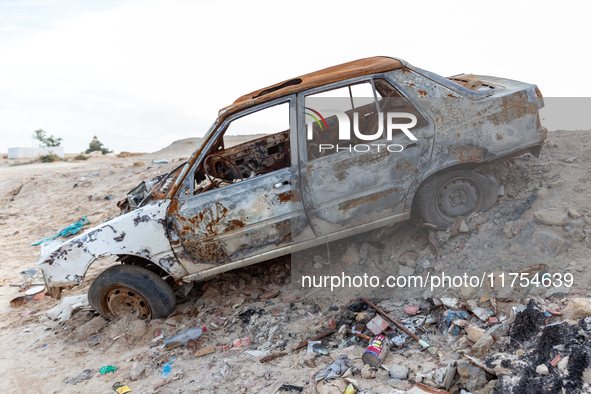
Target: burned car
<point>344,150</point>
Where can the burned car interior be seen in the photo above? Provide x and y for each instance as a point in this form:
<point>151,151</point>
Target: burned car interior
<point>247,160</point>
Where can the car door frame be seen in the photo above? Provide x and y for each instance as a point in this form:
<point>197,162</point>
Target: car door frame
<point>188,185</point>
<point>426,149</point>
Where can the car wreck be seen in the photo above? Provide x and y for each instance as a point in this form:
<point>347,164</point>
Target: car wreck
<point>301,184</point>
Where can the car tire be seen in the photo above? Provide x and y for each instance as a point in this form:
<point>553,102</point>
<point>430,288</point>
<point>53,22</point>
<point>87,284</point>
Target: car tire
<point>128,289</point>
<point>441,198</point>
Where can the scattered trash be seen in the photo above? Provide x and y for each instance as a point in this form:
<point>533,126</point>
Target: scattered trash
<point>159,162</point>
<point>204,352</point>
<point>166,368</point>
<point>107,368</point>
<point>33,291</point>
<point>291,387</point>
<point>63,311</point>
<point>182,338</point>
<point>335,370</point>
<point>70,230</point>
<point>411,310</point>
<point>376,352</point>
<point>377,325</point>
<point>84,375</point>
<point>18,301</point>
<point>121,388</point>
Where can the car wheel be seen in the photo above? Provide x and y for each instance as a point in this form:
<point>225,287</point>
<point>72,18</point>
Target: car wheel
<point>443,197</point>
<point>128,289</point>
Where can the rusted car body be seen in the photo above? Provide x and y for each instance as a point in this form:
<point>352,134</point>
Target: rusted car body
<point>272,198</point>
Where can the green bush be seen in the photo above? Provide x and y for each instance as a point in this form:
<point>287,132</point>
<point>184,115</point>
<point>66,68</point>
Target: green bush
<point>81,157</point>
<point>95,145</point>
<point>49,158</point>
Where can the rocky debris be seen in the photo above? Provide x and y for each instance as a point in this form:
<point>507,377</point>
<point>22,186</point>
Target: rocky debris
<point>577,308</point>
<point>542,369</point>
<point>471,377</point>
<point>91,328</point>
<point>368,372</point>
<point>549,243</point>
<point>137,371</point>
<point>551,216</point>
<point>483,346</point>
<point>398,372</point>
<point>474,333</point>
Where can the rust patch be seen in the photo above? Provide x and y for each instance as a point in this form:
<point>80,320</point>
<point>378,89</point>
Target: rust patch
<point>237,224</point>
<point>141,219</point>
<point>120,238</point>
<point>422,93</point>
<point>405,166</point>
<point>354,203</point>
<point>469,153</point>
<point>284,197</point>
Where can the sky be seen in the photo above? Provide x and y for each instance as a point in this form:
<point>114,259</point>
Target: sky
<point>141,74</point>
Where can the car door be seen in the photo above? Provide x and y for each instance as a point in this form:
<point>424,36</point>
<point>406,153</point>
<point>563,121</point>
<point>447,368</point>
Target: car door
<point>248,217</point>
<point>360,181</point>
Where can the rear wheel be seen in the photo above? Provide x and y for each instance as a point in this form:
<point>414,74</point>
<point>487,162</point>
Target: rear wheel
<point>127,289</point>
<point>457,193</point>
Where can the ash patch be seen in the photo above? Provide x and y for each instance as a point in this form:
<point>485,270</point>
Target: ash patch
<point>249,313</point>
<point>528,322</point>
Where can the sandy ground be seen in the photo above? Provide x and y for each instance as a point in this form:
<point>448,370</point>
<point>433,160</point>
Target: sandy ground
<point>36,355</point>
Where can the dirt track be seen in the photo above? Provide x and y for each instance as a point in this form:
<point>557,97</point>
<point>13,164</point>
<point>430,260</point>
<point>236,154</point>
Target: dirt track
<point>37,360</point>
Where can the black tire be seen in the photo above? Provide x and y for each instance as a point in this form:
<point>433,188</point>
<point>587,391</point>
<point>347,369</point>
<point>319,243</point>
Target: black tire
<point>456,193</point>
<point>129,289</point>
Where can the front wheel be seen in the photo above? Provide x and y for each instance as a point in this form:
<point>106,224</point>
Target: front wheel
<point>456,193</point>
<point>128,289</point>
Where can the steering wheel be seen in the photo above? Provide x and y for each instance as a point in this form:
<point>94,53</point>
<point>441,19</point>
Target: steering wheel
<point>211,179</point>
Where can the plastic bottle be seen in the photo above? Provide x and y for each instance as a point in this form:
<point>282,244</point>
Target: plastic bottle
<point>182,338</point>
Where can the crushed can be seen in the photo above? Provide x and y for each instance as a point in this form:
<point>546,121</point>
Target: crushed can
<point>376,352</point>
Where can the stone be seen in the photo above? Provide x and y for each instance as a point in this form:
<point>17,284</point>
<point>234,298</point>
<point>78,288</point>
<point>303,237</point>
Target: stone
<point>364,317</point>
<point>558,184</point>
<point>549,243</point>
<point>464,227</point>
<point>577,308</point>
<point>138,163</point>
<point>369,252</point>
<point>557,292</point>
<point>406,271</point>
<point>137,370</point>
<point>551,216</point>
<point>351,255</point>
<point>471,377</point>
<point>467,291</point>
<point>563,364</point>
<point>368,372</point>
<point>499,330</point>
<point>587,220</point>
<point>210,292</point>
<point>474,333</point>
<point>398,372</point>
<point>136,328</point>
<point>91,328</point>
<point>483,346</point>
<point>576,223</point>
<point>542,369</point>
<point>573,213</point>
<point>586,377</point>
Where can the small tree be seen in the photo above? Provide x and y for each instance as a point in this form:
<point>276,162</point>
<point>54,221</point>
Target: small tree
<point>95,145</point>
<point>44,141</point>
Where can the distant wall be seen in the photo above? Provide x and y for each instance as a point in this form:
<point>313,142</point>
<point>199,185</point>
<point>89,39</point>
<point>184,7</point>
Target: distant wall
<point>32,153</point>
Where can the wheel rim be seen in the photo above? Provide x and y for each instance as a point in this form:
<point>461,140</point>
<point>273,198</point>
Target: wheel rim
<point>458,197</point>
<point>121,301</point>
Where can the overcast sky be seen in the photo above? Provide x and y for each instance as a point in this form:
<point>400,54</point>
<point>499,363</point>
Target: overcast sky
<point>141,74</point>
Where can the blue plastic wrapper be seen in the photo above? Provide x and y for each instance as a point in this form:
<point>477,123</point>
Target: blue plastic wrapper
<point>70,230</point>
<point>450,316</point>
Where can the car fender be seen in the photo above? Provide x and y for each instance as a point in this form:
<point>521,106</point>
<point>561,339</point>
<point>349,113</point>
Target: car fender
<point>141,233</point>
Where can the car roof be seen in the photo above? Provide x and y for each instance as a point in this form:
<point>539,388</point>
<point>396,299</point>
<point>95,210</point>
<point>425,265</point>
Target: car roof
<point>356,68</point>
